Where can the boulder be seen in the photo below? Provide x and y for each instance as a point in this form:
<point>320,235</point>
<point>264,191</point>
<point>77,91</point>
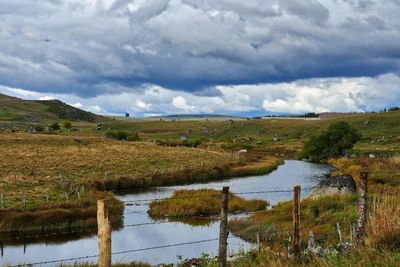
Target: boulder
<point>343,184</point>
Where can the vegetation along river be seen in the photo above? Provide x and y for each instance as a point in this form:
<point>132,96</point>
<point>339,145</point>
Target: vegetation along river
<point>38,249</point>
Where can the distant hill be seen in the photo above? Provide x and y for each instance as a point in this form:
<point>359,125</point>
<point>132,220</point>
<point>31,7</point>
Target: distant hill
<point>16,109</point>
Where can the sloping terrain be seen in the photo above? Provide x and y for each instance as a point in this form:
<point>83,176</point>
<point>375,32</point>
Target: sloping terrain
<point>19,110</point>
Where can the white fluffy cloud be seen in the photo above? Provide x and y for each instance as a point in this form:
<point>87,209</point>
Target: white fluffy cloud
<point>310,95</point>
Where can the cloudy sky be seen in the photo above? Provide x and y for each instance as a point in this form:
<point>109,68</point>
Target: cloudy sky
<point>154,57</point>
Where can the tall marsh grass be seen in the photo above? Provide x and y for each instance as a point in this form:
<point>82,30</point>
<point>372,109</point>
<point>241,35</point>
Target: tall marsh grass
<point>384,222</point>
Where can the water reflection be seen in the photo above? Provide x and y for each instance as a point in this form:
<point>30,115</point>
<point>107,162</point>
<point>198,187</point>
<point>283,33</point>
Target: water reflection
<point>177,231</point>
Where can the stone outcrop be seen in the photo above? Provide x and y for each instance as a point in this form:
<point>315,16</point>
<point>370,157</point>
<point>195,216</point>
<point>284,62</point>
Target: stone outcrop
<point>343,184</point>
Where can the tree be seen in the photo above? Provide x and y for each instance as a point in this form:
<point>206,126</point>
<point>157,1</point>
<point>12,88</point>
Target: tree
<point>332,143</point>
<point>67,125</point>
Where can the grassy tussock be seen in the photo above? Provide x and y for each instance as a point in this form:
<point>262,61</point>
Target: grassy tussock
<point>66,216</point>
<point>359,258</point>
<point>384,223</point>
<point>203,202</point>
<point>260,167</point>
<point>319,215</point>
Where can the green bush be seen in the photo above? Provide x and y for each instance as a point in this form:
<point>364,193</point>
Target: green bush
<point>111,134</point>
<point>332,143</point>
<point>122,135</point>
<point>67,125</point>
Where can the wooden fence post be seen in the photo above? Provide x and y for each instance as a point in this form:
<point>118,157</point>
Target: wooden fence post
<point>24,201</point>
<point>296,222</point>
<point>2,201</point>
<point>104,234</point>
<point>362,208</point>
<point>339,230</point>
<point>223,230</point>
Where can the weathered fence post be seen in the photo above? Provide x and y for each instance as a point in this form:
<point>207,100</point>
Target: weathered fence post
<point>104,234</point>
<point>296,222</point>
<point>339,230</point>
<point>362,208</point>
<point>223,230</point>
<point>2,201</point>
<point>24,200</point>
<point>352,232</point>
<point>258,242</point>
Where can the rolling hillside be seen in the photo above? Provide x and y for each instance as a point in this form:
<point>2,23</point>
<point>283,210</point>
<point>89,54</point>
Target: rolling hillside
<point>18,110</point>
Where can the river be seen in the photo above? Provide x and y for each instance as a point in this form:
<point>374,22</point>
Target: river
<point>292,172</point>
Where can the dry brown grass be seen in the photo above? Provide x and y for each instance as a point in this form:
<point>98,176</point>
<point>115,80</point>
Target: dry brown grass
<point>68,172</point>
<point>26,155</point>
<point>202,202</point>
<point>384,223</point>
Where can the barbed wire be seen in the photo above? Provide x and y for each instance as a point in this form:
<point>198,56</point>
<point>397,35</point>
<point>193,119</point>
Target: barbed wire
<point>217,195</point>
<point>118,252</point>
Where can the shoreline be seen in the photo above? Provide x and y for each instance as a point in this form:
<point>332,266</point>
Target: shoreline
<point>74,217</point>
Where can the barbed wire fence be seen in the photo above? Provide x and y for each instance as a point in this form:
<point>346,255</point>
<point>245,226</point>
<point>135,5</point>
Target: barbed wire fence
<point>105,254</point>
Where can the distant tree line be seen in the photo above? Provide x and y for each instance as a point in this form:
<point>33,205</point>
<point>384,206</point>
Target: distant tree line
<point>305,115</point>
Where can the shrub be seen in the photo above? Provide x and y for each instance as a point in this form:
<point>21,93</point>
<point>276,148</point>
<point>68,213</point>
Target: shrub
<point>67,125</point>
<point>332,143</point>
<point>122,135</point>
<point>55,126</point>
<point>39,128</point>
<point>133,137</point>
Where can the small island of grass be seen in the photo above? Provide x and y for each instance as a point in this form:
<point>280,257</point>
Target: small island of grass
<point>202,202</point>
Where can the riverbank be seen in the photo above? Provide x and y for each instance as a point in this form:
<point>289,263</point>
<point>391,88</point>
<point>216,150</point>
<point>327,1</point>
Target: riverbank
<point>51,182</point>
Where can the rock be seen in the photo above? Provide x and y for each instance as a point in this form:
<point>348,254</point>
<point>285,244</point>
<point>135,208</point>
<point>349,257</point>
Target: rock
<point>336,185</point>
<point>31,130</point>
<point>372,156</point>
<point>275,138</point>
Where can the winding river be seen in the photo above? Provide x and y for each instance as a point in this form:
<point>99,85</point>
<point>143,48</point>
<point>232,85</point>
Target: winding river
<point>131,238</point>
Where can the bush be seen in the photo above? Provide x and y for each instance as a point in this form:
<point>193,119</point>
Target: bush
<point>332,143</point>
<point>122,135</point>
<point>111,134</point>
<point>67,125</point>
<point>54,126</point>
<point>39,128</point>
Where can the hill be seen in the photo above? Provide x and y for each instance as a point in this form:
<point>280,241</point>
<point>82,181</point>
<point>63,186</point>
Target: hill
<point>19,110</point>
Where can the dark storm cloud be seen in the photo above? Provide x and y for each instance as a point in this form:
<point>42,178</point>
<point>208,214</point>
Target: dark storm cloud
<point>100,47</point>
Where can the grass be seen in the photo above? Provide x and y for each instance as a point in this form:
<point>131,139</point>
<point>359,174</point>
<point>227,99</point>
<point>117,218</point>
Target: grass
<point>359,258</point>
<point>202,202</point>
<point>384,223</point>
<point>319,215</point>
<point>72,174</point>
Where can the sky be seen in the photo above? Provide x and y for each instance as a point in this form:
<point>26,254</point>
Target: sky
<point>160,57</point>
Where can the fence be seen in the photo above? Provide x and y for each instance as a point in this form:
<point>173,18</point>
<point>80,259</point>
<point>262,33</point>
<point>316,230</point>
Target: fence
<point>105,253</point>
